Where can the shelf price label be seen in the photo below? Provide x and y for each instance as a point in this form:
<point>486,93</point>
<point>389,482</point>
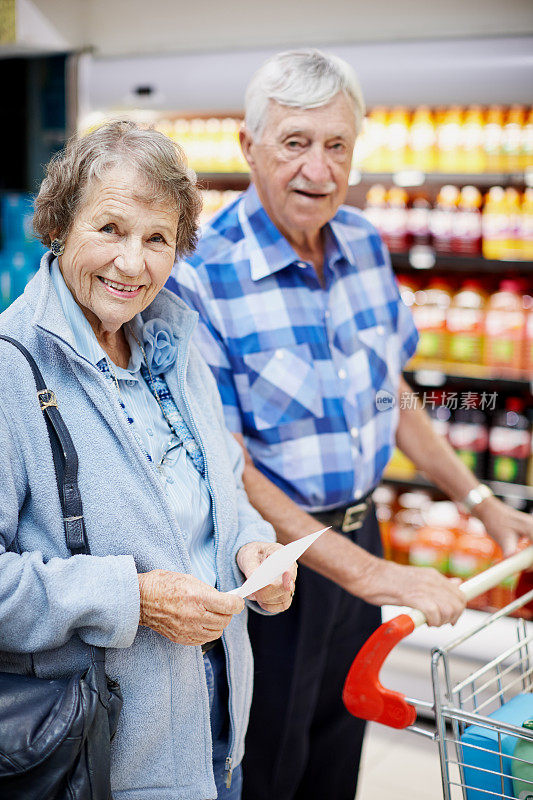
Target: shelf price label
<point>422,257</point>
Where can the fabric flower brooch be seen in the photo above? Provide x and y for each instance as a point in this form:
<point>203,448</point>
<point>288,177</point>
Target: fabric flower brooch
<point>160,346</point>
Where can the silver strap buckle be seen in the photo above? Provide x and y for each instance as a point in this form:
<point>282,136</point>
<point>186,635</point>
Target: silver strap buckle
<point>353,517</point>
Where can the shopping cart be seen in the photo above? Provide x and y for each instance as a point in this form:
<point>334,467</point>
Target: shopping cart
<point>478,745</point>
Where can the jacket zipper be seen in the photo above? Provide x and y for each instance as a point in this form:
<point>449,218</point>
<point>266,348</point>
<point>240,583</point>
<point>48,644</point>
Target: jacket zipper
<point>229,760</point>
<point>229,771</point>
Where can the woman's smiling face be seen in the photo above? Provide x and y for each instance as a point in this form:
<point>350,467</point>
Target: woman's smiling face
<point>120,249</point>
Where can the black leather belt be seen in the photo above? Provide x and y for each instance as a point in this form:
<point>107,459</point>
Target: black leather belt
<point>209,646</point>
<point>348,518</point>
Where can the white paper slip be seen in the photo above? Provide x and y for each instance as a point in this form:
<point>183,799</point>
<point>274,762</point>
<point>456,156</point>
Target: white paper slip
<point>276,564</point>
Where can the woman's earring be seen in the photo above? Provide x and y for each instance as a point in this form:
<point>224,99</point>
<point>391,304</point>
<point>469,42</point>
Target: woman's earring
<point>57,247</point>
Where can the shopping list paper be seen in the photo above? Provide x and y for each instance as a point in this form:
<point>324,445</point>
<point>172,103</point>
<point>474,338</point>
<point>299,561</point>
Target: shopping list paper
<point>276,564</point>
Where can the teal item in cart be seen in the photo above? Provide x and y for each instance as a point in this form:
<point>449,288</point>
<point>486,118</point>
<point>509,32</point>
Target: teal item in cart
<point>481,764</point>
<point>522,765</point>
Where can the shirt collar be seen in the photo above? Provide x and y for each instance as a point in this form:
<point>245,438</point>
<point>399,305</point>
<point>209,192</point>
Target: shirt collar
<point>270,250</point>
<point>85,340</point>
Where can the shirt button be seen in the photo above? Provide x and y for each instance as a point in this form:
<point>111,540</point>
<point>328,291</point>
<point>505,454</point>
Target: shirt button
<point>279,354</point>
<point>301,264</point>
<point>342,374</point>
<point>130,383</point>
<point>149,431</point>
<point>170,479</point>
<point>354,433</point>
<point>380,330</point>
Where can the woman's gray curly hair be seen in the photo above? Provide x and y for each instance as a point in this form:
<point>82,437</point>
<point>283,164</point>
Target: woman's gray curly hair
<point>158,160</point>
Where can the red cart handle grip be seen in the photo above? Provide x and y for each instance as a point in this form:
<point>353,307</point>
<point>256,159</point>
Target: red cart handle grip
<point>363,694</point>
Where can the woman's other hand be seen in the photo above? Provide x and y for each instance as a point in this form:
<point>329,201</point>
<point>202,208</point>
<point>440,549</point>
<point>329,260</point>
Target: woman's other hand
<point>183,608</point>
<point>276,596</point>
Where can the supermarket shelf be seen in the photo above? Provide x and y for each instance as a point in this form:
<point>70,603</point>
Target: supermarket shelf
<point>414,177</point>
<point>436,374</point>
<point>405,178</point>
<point>425,258</point>
<point>223,180</point>
<point>506,490</point>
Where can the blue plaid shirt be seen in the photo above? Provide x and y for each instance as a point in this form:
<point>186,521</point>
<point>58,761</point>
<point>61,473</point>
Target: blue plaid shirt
<point>307,373</point>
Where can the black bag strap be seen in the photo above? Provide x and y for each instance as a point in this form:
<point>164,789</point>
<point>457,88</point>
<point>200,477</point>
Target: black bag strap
<point>65,460</point>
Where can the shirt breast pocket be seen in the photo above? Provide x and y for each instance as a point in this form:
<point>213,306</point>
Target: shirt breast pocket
<point>283,385</point>
<point>381,355</point>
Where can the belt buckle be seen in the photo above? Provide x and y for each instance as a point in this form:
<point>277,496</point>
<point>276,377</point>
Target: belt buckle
<point>353,517</point>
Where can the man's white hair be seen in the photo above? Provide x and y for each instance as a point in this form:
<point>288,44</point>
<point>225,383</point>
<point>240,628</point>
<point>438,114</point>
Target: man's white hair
<point>302,79</point>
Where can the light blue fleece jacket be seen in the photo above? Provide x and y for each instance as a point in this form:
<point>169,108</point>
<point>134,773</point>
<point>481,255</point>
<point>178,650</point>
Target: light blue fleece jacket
<point>51,603</point>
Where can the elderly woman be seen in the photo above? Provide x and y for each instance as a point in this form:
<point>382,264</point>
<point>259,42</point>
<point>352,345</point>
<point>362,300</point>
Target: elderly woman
<point>168,523</point>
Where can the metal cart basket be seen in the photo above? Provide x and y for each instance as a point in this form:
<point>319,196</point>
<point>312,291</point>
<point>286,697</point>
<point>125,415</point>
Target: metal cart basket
<point>478,748</point>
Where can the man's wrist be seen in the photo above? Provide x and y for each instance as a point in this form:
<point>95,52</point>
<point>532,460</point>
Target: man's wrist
<point>476,496</point>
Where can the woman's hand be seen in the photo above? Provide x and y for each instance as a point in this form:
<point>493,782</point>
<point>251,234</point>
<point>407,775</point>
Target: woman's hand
<point>276,596</point>
<point>183,608</point>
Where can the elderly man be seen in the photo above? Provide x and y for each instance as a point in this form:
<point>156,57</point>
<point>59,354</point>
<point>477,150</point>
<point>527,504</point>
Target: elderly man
<point>303,327</point>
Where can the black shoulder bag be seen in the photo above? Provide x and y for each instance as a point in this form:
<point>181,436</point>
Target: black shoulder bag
<point>55,734</point>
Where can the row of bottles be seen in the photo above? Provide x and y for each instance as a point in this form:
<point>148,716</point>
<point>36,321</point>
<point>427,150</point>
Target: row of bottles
<point>452,139</point>
<point>418,531</point>
<point>492,437</point>
<point>498,225</point>
<point>470,325</point>
<point>447,139</point>
<point>211,145</point>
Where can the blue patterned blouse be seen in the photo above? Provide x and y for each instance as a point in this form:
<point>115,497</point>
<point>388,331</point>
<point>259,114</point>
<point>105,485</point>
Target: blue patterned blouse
<point>176,458</point>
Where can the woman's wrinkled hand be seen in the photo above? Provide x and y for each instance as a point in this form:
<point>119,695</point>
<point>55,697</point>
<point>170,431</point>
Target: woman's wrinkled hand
<point>183,608</point>
<point>277,596</point>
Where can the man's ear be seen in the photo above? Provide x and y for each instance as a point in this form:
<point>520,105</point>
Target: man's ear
<point>247,142</point>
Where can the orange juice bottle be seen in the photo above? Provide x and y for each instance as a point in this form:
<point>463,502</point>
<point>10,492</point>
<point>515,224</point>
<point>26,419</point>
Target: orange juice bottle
<point>406,522</point>
<point>397,137</point>
<point>377,156</point>
<point>384,498</point>
<point>396,220</point>
<point>442,218</point>
<point>505,326</point>
<point>494,224</point>
<point>473,552</point>
<point>466,225</point>
<point>512,138</point>
<point>408,287</point>
<point>465,324</point>
<point>418,222</point>
<point>376,206</point>
<point>429,314</point>
<point>422,140</point>
<point>181,133</point>
<point>528,343</point>
<point>513,203</point>
<point>434,542</point>
<point>449,135</point>
<point>472,150</point>
<point>505,593</point>
<point>492,138</point>
<point>402,533</point>
<point>526,224</point>
<point>431,547</point>
<point>526,156</point>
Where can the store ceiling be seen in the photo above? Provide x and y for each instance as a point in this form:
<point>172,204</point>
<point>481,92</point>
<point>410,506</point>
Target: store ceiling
<point>134,27</point>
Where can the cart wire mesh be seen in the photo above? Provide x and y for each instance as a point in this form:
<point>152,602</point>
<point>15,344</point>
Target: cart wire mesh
<point>477,749</point>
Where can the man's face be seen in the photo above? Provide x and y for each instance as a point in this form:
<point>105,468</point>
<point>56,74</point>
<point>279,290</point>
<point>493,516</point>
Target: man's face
<point>301,162</point>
